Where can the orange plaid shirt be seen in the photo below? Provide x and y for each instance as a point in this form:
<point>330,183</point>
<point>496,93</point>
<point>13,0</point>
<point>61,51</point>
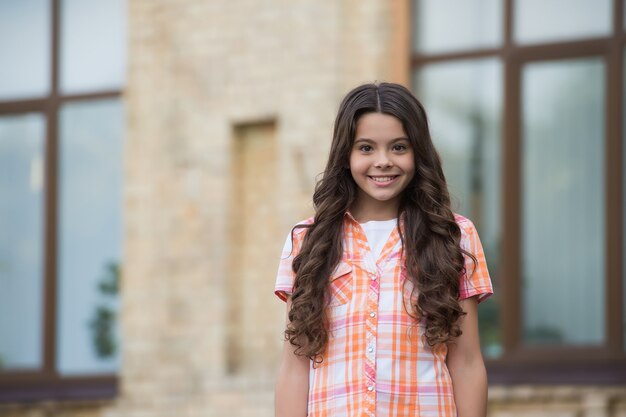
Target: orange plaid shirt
<point>376,363</point>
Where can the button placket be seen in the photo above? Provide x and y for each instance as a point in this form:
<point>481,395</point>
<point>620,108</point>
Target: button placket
<point>368,310</point>
<point>371,334</point>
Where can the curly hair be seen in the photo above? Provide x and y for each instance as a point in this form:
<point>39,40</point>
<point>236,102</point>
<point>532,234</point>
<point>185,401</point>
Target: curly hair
<point>430,235</point>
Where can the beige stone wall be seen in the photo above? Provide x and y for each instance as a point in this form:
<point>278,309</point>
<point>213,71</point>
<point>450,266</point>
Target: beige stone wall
<point>557,401</point>
<point>201,330</point>
<point>204,330</point>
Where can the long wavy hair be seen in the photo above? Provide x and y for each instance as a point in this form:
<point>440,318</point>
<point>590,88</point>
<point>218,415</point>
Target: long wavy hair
<point>430,235</point>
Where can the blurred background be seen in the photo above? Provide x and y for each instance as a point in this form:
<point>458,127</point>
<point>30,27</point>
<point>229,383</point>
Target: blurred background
<point>154,154</point>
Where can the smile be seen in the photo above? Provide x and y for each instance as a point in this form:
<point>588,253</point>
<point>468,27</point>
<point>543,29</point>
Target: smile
<point>383,180</point>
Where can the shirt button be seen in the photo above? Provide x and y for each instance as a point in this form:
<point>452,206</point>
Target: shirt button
<point>373,277</point>
<point>370,388</point>
<point>372,314</point>
<point>370,349</point>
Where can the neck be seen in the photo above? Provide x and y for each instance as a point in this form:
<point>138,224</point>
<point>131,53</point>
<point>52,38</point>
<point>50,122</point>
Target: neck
<point>374,210</point>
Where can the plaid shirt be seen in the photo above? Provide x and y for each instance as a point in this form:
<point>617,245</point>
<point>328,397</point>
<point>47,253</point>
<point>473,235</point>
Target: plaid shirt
<point>376,363</point>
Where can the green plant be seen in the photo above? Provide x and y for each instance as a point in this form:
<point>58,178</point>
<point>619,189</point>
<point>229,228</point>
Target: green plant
<point>102,324</point>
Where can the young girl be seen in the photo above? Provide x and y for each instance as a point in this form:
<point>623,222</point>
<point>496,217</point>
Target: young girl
<point>382,284</point>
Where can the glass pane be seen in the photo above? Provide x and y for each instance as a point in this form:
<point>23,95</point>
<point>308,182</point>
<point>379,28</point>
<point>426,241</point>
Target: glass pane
<point>446,25</point>
<point>556,20</point>
<point>90,236</point>
<point>464,103</point>
<point>93,45</point>
<point>563,202</point>
<point>21,245</point>
<point>24,48</point>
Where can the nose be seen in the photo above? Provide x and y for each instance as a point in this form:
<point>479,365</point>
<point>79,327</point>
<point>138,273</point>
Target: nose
<point>382,160</point>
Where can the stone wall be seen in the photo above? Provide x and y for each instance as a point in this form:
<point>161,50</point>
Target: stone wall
<point>230,108</point>
<point>557,401</point>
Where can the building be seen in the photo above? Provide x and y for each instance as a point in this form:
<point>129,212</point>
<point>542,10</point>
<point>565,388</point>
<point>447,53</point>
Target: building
<point>177,172</point>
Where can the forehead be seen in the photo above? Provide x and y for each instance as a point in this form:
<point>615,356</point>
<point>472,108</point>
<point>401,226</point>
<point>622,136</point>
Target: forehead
<point>378,126</point>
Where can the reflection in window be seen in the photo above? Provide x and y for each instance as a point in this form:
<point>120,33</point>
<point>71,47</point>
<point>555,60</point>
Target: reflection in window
<point>24,48</point>
<point>90,233</point>
<point>556,20</point>
<point>450,25</point>
<point>93,42</point>
<point>463,101</point>
<point>563,202</point>
<point>21,244</point>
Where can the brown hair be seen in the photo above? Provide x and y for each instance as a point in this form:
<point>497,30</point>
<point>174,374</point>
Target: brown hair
<point>430,237</point>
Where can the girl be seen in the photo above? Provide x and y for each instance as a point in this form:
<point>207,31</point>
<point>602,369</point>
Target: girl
<point>383,282</point>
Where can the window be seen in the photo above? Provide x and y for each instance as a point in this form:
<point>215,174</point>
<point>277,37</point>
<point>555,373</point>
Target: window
<point>526,102</point>
<point>61,142</point>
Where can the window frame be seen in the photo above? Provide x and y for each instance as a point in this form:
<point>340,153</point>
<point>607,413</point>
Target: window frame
<point>604,364</point>
<point>46,383</point>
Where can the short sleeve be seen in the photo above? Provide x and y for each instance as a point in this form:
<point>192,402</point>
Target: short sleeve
<point>475,279</point>
<point>285,277</point>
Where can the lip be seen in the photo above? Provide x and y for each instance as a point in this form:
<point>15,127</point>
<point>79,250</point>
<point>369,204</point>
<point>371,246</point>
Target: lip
<point>394,178</point>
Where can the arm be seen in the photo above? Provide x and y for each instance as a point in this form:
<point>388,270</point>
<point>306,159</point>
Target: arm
<point>466,366</point>
<point>292,384</point>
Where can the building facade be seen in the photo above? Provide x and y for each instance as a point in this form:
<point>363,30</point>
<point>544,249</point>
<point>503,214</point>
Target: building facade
<point>226,110</point>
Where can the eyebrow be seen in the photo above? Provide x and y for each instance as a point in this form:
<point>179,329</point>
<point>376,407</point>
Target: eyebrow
<point>367,140</point>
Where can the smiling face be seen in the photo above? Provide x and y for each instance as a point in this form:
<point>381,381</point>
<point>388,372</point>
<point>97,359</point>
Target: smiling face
<point>382,165</point>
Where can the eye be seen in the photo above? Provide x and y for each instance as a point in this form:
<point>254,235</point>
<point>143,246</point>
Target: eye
<point>400,147</point>
<point>365,148</point>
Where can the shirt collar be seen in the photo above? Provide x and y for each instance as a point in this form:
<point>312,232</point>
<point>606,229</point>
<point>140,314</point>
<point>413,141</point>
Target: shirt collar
<point>351,217</point>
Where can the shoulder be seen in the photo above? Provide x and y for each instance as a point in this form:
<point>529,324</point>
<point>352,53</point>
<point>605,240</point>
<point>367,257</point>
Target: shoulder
<point>297,232</point>
<point>294,238</point>
<point>464,223</point>
<point>302,226</point>
<point>468,230</point>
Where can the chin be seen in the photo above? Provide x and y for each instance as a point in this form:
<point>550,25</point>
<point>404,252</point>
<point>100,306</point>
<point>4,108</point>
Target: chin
<point>383,199</point>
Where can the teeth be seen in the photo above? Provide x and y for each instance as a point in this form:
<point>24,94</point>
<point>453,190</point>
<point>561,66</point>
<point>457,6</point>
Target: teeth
<point>382,179</point>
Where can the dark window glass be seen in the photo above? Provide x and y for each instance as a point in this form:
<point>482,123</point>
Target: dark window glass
<point>24,49</point>
<point>93,45</point>
<point>563,202</point>
<point>21,244</point>
<point>90,236</point>
<point>449,25</point>
<point>558,20</point>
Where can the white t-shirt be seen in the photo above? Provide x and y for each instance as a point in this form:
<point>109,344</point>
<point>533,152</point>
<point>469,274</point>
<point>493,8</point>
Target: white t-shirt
<point>377,233</point>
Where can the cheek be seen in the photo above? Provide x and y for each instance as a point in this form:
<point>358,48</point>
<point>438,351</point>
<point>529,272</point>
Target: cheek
<point>408,166</point>
<point>357,174</point>
<point>411,170</point>
<point>357,165</point>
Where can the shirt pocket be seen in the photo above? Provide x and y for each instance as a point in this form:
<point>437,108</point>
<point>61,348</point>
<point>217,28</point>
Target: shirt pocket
<point>341,283</point>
